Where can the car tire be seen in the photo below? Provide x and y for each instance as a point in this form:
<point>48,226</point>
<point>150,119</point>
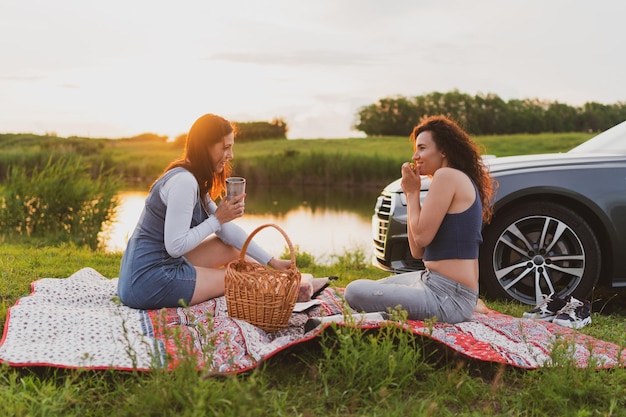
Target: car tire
<point>521,260</point>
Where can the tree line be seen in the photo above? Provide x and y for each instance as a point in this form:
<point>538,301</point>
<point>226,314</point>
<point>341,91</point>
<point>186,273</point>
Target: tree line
<point>486,114</point>
<point>251,131</point>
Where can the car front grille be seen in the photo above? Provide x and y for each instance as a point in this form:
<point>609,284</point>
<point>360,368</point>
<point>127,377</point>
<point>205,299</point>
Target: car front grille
<point>391,248</point>
<point>380,224</point>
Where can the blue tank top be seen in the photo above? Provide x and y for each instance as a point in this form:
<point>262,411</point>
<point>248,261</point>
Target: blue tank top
<point>459,235</point>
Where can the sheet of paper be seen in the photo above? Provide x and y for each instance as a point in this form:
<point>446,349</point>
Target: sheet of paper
<point>300,307</point>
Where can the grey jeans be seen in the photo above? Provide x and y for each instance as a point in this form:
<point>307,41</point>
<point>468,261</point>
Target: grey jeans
<point>422,294</point>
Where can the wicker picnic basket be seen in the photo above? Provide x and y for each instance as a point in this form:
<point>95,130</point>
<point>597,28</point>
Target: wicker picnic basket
<point>261,295</point>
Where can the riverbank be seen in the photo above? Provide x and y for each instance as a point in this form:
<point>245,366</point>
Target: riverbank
<point>364,162</point>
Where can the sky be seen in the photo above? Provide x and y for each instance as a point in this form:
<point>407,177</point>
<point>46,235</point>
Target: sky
<point>120,68</point>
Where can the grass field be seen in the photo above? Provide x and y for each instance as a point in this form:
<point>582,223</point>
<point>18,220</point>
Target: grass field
<point>346,373</point>
<point>372,160</point>
<point>375,159</point>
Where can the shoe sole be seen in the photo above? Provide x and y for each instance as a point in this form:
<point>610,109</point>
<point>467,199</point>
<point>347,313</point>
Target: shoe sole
<point>573,324</point>
<point>534,317</point>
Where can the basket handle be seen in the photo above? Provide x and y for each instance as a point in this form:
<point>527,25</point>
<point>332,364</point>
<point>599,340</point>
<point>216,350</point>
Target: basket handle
<point>244,248</point>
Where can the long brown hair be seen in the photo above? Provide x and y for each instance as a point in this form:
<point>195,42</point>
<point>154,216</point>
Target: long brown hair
<point>205,132</point>
<point>462,153</point>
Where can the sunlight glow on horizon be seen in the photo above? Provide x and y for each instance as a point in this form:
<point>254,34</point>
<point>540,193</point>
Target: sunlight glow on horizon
<point>121,69</point>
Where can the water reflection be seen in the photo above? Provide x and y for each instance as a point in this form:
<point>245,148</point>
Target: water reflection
<point>116,233</point>
<point>320,221</point>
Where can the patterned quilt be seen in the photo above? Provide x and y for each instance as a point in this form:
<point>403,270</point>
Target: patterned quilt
<point>77,322</point>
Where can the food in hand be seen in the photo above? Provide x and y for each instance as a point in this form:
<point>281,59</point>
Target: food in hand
<point>412,166</point>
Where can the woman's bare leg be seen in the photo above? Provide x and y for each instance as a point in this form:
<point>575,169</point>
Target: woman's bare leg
<point>212,253</point>
<point>209,284</point>
<point>209,258</point>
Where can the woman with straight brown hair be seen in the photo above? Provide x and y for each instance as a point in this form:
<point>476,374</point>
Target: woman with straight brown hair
<point>183,239</point>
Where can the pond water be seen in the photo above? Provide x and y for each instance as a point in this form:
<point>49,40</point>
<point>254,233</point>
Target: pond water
<point>320,221</point>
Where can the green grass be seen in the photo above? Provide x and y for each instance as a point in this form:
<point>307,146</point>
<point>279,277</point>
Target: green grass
<point>346,372</point>
<point>397,147</point>
<point>362,160</point>
<point>373,160</point>
<point>526,144</point>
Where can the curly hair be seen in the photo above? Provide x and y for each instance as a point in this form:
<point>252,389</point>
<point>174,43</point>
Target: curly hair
<point>462,153</point>
<point>206,131</point>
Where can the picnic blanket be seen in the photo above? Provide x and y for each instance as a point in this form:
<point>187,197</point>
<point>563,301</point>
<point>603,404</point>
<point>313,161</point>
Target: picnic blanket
<point>78,322</point>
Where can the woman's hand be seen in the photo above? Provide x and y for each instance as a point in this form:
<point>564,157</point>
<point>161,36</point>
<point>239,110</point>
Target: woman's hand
<point>230,209</point>
<point>280,264</point>
<point>411,180</point>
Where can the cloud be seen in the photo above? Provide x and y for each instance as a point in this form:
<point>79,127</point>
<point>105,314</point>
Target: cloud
<point>125,68</point>
<point>21,78</point>
<point>297,58</point>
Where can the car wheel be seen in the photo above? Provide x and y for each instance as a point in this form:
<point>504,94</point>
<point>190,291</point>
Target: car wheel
<point>537,249</point>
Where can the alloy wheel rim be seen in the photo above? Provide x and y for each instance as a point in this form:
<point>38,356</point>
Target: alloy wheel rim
<point>538,255</point>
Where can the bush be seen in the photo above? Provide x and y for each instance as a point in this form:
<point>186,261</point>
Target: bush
<point>249,131</point>
<point>57,203</point>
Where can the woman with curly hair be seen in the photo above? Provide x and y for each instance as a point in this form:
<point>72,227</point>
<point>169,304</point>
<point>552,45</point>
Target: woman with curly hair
<point>444,230</point>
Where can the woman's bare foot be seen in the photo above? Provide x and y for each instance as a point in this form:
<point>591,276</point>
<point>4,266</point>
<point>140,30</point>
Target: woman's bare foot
<point>318,283</point>
<point>280,264</point>
<point>481,307</point>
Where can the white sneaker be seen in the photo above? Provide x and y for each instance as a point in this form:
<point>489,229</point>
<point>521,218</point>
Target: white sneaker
<point>547,309</point>
<point>576,314</point>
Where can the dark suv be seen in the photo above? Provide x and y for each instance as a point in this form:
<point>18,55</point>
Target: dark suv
<point>559,223</point>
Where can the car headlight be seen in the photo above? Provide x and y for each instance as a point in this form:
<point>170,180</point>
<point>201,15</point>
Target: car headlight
<point>403,197</point>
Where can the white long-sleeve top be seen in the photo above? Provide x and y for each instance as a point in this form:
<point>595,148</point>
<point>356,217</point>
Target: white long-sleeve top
<point>180,195</point>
